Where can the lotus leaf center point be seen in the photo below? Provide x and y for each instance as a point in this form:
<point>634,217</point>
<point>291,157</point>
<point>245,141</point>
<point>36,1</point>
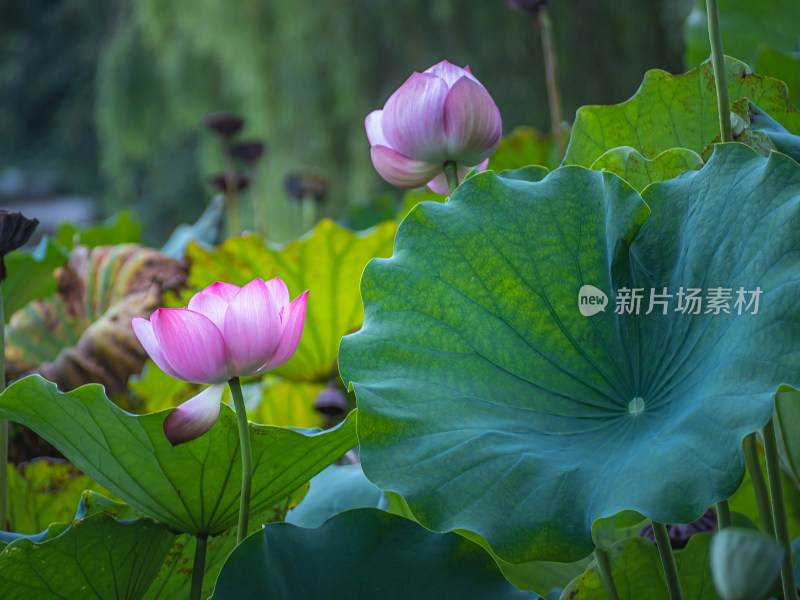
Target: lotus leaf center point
<point>636,406</point>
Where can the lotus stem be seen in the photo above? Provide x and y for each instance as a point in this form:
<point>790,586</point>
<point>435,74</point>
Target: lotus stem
<point>308,212</point>
<point>668,561</point>
<point>759,485</point>
<point>247,458</point>
<point>723,514</point>
<point>3,424</point>
<point>779,510</point>
<point>604,566</point>
<point>551,76</point>
<point>198,567</point>
<point>718,63</point>
<point>451,172</point>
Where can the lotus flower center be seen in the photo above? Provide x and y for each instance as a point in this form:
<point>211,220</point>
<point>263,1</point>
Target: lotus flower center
<point>636,406</point>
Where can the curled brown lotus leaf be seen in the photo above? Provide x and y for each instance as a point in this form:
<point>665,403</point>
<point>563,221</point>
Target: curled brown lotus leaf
<point>83,333</point>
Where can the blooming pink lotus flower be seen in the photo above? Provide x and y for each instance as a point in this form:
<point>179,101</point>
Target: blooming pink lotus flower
<point>438,116</point>
<point>225,332</point>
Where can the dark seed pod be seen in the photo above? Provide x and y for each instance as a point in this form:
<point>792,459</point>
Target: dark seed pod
<point>331,401</point>
<point>531,7</point>
<point>15,231</point>
<point>249,152</point>
<point>223,123</point>
<point>220,181</point>
<point>302,184</point>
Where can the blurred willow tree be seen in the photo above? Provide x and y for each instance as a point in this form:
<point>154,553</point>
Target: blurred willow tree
<point>305,74</point>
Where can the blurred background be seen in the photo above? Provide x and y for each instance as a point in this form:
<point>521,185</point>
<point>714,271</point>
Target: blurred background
<point>102,101</point>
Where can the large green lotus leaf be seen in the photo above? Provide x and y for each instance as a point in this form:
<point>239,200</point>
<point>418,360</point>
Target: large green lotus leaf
<point>44,491</point>
<point>744,25</point>
<point>30,275</point>
<point>328,262</point>
<point>534,575</point>
<point>637,572</point>
<point>780,65</point>
<point>362,553</point>
<point>492,404</point>
<point>674,111</point>
<point>95,558</point>
<point>640,172</point>
<point>194,487</point>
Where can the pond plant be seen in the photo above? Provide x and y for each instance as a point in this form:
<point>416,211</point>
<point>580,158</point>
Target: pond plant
<point>566,382</point>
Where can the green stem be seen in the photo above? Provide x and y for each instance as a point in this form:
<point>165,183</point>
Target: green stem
<point>668,561</point>
<point>551,76</point>
<point>247,458</point>
<point>759,485</point>
<point>718,62</point>
<point>308,212</point>
<point>3,423</point>
<point>451,172</point>
<point>231,190</point>
<point>199,567</point>
<point>604,566</point>
<point>723,514</point>
<point>779,510</point>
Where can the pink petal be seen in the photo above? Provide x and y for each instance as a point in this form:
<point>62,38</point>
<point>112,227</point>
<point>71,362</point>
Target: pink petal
<point>472,123</point>
<point>278,292</point>
<point>252,328</point>
<point>439,183</point>
<point>144,331</point>
<point>401,170</point>
<point>212,302</point>
<point>413,118</point>
<point>192,344</point>
<point>374,126</point>
<point>194,417</point>
<point>450,72</point>
<point>291,334</point>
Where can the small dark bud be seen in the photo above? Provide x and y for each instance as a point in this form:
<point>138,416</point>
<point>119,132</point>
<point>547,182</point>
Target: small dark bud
<point>300,185</point>
<point>221,181</point>
<point>249,152</point>
<point>679,534</point>
<point>531,7</point>
<point>331,401</point>
<point>223,123</point>
<point>15,231</point>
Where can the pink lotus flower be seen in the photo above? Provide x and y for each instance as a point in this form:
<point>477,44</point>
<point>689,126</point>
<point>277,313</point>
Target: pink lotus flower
<point>438,116</point>
<point>225,332</point>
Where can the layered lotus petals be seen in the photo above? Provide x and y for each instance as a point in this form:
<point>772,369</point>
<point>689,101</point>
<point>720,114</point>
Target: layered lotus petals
<point>224,332</point>
<point>439,116</point>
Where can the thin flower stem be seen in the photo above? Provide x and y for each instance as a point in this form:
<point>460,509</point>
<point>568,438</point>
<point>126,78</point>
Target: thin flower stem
<point>231,189</point>
<point>723,514</point>
<point>604,566</point>
<point>451,173</point>
<point>199,567</point>
<point>718,62</point>
<point>308,212</point>
<point>551,76</point>
<point>779,510</point>
<point>3,423</point>
<point>759,485</point>
<point>247,458</point>
<point>668,561</point>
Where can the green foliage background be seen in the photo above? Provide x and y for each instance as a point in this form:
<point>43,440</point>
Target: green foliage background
<point>304,75</point>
